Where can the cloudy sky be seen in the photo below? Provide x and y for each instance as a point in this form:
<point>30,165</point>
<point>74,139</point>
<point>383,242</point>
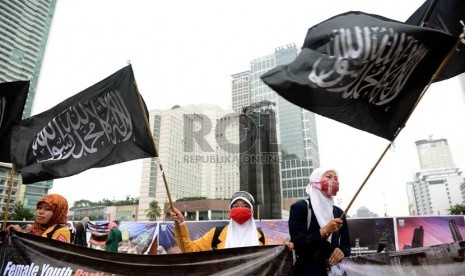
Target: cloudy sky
<point>184,52</point>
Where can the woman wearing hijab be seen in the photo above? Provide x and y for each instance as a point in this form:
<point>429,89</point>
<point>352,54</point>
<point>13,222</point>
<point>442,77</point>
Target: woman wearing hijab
<point>81,232</point>
<point>241,230</point>
<point>114,237</point>
<point>324,242</point>
<point>50,219</point>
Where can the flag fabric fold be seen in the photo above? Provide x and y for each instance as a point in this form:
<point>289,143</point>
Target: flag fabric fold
<point>103,125</point>
<point>13,96</point>
<point>363,70</point>
<point>447,16</point>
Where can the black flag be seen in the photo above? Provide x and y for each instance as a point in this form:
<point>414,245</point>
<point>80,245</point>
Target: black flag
<point>103,125</point>
<point>363,70</point>
<point>13,96</point>
<point>447,16</point>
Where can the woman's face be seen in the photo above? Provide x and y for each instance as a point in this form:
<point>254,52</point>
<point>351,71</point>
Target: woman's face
<point>240,204</point>
<point>329,184</point>
<point>43,213</point>
<point>329,175</point>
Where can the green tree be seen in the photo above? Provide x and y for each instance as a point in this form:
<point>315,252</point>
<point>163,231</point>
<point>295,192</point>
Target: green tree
<point>457,209</point>
<point>82,203</point>
<point>105,202</point>
<point>191,198</point>
<point>154,211</point>
<point>21,213</point>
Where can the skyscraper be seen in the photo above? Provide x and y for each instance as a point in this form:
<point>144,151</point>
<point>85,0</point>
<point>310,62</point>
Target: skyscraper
<point>24,29</point>
<point>259,166</point>
<point>5,177</point>
<point>436,187</point>
<point>434,154</point>
<point>241,91</point>
<point>296,127</point>
<point>198,149</point>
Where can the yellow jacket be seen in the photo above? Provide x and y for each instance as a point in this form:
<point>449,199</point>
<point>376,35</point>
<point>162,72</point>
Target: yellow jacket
<point>61,234</point>
<point>205,243</point>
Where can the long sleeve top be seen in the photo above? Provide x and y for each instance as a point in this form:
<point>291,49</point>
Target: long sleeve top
<point>312,250</point>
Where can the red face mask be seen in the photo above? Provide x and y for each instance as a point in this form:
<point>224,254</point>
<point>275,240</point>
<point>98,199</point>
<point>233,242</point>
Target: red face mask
<point>240,215</point>
<point>330,187</point>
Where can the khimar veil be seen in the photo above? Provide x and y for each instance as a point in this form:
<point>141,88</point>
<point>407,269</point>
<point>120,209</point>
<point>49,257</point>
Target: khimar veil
<point>321,204</point>
<point>241,235</point>
<point>60,213</point>
<point>112,225</point>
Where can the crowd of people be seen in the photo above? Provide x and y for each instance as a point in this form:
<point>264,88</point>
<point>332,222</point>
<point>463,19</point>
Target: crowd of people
<point>319,234</point>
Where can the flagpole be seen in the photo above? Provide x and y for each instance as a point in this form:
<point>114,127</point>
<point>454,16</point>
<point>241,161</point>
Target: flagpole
<point>7,207</point>
<point>433,78</point>
<point>177,227</point>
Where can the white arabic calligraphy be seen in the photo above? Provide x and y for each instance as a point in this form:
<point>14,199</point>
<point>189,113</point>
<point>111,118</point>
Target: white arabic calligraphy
<point>84,129</point>
<point>371,63</point>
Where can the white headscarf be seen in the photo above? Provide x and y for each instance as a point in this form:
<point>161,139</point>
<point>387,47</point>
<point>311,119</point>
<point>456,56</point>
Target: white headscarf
<point>240,235</point>
<point>84,222</point>
<point>321,204</point>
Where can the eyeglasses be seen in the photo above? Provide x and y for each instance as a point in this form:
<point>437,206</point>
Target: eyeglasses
<point>241,206</point>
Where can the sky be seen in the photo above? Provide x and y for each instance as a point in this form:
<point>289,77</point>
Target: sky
<point>184,52</point>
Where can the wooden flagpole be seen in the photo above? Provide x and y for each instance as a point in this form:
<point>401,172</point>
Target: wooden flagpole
<point>7,208</point>
<point>433,78</point>
<point>147,125</point>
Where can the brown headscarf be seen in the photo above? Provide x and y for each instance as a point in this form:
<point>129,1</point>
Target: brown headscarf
<point>60,212</point>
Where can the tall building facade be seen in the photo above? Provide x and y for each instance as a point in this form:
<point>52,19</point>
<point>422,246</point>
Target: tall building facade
<point>30,194</point>
<point>296,127</point>
<point>24,30</point>
<point>5,177</point>
<point>434,154</point>
<point>198,150</point>
<point>227,141</point>
<point>241,91</point>
<point>260,159</point>
<point>436,187</point>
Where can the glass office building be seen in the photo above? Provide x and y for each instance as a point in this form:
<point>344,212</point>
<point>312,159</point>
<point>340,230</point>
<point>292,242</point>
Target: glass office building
<point>197,145</point>
<point>296,127</point>
<point>24,30</point>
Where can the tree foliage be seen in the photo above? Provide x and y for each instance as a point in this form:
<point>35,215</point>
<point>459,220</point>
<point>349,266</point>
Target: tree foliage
<point>83,203</point>
<point>457,209</point>
<point>21,213</point>
<point>191,198</point>
<point>153,211</point>
<point>105,202</point>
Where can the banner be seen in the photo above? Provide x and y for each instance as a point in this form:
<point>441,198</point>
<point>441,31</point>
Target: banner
<point>101,126</point>
<point>137,237</point>
<point>422,231</point>
<point>370,235</point>
<point>362,70</point>
<point>13,96</point>
<point>24,254</point>
<point>275,231</point>
<point>444,259</point>
<point>196,230</point>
